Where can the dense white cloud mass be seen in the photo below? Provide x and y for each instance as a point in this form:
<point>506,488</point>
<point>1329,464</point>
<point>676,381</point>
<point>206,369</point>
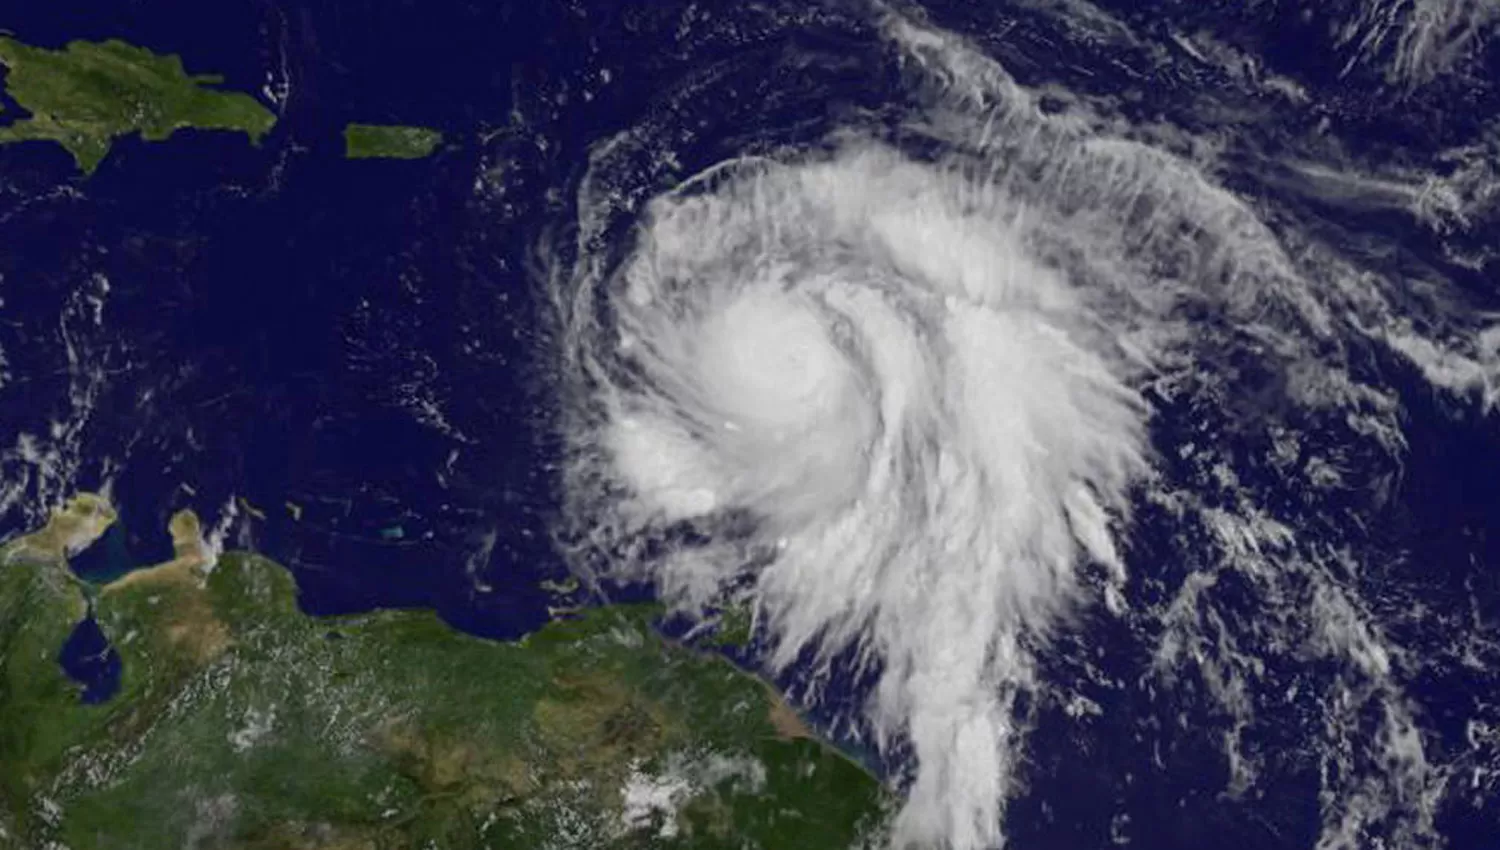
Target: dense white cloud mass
<point>930,428</point>
<point>900,402</point>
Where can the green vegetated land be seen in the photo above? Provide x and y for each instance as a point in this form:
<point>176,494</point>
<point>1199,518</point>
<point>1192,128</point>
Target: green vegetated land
<point>384,141</point>
<point>89,93</point>
<point>241,722</point>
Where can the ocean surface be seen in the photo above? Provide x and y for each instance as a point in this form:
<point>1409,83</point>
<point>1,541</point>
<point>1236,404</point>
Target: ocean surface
<point>212,325</point>
<point>350,366</point>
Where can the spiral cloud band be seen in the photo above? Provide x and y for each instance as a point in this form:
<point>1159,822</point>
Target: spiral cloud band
<point>929,428</point>
<point>897,404</point>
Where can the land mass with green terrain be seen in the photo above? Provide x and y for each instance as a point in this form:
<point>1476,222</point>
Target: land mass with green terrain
<point>89,93</point>
<point>241,722</point>
<point>388,141</point>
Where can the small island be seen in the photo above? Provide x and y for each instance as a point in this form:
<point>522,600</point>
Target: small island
<point>389,141</point>
<point>89,93</point>
<point>241,722</point>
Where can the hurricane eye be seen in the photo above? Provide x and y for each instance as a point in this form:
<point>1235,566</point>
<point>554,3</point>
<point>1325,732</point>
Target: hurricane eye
<point>937,363</point>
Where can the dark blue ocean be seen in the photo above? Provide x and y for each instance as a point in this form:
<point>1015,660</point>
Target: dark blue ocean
<point>352,356</point>
<point>277,315</point>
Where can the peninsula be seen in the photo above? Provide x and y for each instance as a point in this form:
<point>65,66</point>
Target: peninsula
<point>241,722</point>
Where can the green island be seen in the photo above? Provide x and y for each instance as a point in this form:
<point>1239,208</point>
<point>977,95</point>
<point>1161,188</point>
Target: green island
<point>388,141</point>
<point>89,93</point>
<point>241,722</point>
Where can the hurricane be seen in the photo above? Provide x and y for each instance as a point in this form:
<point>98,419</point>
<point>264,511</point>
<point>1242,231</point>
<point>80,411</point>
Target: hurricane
<point>904,389</point>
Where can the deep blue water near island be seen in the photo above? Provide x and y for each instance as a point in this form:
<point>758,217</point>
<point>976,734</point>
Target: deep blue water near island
<point>280,325</point>
<point>351,353</point>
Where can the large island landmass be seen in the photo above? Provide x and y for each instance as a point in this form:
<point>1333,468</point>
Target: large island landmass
<point>87,94</point>
<point>389,141</point>
<point>241,722</point>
